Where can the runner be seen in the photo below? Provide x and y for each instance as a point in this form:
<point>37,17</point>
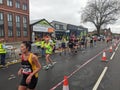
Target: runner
<point>52,42</point>
<point>75,45</point>
<point>91,42</point>
<point>48,50</point>
<point>30,68</point>
<point>63,45</point>
<point>70,44</point>
<point>107,41</point>
<point>82,43</point>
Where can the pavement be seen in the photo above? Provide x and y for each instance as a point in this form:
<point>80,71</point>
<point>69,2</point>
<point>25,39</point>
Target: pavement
<point>13,58</point>
<point>83,71</point>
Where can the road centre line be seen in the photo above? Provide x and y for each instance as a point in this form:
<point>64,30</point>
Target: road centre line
<point>100,79</point>
<point>112,56</point>
<point>116,48</point>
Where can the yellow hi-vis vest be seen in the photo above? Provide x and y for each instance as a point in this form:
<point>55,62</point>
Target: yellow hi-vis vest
<point>2,50</point>
<point>37,43</point>
<point>42,44</point>
<point>48,48</point>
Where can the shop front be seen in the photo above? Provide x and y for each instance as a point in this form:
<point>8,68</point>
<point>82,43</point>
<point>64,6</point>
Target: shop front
<point>41,29</point>
<point>60,29</point>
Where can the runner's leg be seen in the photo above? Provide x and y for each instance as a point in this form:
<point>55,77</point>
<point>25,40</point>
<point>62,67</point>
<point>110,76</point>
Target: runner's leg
<point>47,59</point>
<point>22,88</point>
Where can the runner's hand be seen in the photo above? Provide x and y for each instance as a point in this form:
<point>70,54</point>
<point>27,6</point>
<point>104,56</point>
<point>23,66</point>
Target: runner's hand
<point>19,72</point>
<point>28,80</point>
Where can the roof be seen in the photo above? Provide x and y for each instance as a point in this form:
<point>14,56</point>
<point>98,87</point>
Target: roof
<point>58,22</point>
<point>33,22</point>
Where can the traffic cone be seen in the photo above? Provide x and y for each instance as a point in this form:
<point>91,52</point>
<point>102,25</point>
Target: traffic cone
<point>110,50</point>
<point>65,83</point>
<point>104,58</point>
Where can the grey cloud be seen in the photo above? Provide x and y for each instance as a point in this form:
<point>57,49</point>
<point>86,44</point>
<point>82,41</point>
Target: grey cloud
<point>67,11</point>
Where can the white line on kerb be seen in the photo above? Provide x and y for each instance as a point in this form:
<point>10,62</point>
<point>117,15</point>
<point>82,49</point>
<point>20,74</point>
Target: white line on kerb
<point>100,79</point>
<point>112,56</point>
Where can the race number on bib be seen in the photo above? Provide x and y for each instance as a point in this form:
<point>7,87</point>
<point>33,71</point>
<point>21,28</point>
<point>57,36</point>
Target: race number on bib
<point>27,70</point>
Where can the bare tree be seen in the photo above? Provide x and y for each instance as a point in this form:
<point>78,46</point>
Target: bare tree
<point>101,12</point>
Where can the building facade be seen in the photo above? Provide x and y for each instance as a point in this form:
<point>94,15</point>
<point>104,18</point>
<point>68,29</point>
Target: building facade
<point>40,28</point>
<point>82,31</point>
<point>14,20</point>
<point>60,29</point>
<point>106,32</point>
<point>67,30</point>
<point>73,29</point>
<point>78,31</point>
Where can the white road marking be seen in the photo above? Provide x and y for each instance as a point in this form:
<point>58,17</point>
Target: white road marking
<point>116,48</point>
<point>12,77</point>
<point>100,79</point>
<point>112,56</point>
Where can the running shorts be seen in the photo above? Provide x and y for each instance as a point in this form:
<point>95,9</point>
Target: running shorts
<point>32,84</point>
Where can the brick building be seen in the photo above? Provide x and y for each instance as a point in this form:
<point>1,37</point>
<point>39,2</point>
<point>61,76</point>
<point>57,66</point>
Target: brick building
<point>14,20</point>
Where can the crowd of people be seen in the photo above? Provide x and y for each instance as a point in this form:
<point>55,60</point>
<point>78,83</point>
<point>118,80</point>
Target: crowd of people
<point>30,65</point>
<point>71,45</point>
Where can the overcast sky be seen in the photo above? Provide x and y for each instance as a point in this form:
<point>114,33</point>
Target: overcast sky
<point>67,11</point>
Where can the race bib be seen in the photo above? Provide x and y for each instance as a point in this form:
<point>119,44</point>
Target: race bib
<point>27,71</point>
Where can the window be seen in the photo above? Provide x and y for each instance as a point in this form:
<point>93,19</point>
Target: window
<point>56,26</point>
<point>1,16</point>
<point>24,20</point>
<point>24,7</point>
<point>1,25</point>
<point>1,1</point>
<point>61,27</point>
<point>17,4</point>
<point>9,3</point>
<point>25,31</point>
<point>18,19</point>
<point>10,25</point>
<point>9,17</point>
<point>18,30</point>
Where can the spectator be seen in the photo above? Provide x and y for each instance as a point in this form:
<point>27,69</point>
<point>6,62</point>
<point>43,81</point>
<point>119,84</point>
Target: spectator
<point>2,52</point>
<point>91,42</point>
<point>42,47</point>
<point>95,40</point>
